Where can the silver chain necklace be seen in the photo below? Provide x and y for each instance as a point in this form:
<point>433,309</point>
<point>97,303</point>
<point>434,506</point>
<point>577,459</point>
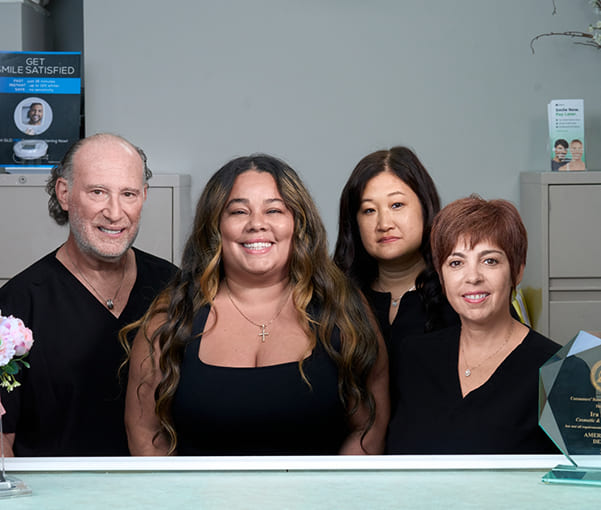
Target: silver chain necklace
<point>110,302</point>
<point>263,333</point>
<point>395,302</point>
<point>468,371</point>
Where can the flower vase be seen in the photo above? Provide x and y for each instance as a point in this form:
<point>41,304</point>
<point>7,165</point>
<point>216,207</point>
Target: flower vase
<point>10,487</point>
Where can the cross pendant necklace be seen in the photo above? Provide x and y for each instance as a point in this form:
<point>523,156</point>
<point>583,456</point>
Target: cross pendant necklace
<point>263,333</point>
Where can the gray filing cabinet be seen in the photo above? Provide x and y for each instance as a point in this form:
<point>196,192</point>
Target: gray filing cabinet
<point>562,281</point>
<point>27,232</point>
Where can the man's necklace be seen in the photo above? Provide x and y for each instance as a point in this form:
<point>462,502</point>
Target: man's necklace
<point>263,333</point>
<point>468,370</point>
<point>110,302</point>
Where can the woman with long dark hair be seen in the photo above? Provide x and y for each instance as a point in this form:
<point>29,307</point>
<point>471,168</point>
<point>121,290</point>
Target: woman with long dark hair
<point>259,346</point>
<point>386,212</point>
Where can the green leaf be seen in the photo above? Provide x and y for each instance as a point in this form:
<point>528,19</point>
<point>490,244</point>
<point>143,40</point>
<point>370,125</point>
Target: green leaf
<point>11,368</point>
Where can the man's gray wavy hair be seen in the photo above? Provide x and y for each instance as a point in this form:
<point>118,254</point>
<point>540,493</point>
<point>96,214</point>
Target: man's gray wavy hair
<point>65,169</point>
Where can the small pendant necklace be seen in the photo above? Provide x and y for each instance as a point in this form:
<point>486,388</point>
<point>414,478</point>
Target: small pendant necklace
<point>263,333</point>
<point>110,302</point>
<point>468,371</point>
<point>395,302</point>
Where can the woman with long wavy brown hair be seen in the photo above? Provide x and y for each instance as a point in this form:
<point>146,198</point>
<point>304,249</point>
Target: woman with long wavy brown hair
<point>259,345</point>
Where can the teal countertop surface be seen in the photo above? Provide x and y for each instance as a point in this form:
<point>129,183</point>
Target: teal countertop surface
<point>423,483</point>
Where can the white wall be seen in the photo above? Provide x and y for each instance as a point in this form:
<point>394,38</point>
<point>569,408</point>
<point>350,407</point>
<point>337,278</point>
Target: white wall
<point>321,83</point>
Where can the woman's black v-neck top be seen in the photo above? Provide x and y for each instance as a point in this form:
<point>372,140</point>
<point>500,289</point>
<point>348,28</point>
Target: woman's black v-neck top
<point>430,415</point>
<point>411,316</point>
<point>267,410</point>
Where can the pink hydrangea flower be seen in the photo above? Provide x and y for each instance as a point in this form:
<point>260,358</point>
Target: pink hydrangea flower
<point>14,333</point>
<point>7,350</point>
<point>21,337</point>
<point>15,342</point>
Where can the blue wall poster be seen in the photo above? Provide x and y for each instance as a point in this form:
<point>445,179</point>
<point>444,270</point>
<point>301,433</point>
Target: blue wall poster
<point>40,107</point>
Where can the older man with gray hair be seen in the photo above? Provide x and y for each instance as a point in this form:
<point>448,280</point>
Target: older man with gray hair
<point>76,299</point>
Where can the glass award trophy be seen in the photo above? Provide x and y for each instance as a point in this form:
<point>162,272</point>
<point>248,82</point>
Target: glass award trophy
<point>10,487</point>
<point>570,409</point>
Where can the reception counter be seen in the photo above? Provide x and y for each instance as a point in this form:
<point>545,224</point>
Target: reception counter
<point>380,482</point>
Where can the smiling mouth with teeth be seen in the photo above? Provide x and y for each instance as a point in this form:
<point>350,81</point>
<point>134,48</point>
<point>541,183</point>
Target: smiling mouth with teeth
<point>256,246</point>
<point>109,231</point>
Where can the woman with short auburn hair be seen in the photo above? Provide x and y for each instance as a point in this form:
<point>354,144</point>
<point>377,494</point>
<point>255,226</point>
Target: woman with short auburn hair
<point>473,388</point>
